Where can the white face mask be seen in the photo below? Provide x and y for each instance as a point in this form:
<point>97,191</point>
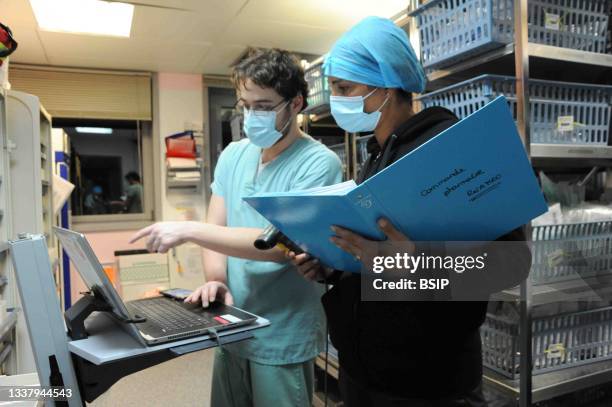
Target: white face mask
<point>260,127</point>
<point>348,113</point>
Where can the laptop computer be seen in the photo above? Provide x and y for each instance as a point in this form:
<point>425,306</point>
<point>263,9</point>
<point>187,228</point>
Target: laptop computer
<point>150,320</point>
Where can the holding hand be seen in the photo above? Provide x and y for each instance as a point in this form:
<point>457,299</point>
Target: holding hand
<point>307,266</point>
<point>360,247</point>
<point>210,292</point>
<point>352,243</point>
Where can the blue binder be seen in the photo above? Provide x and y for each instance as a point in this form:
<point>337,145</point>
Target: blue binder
<point>471,182</point>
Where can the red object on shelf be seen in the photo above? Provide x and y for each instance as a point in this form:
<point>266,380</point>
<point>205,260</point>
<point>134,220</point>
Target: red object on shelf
<point>181,145</point>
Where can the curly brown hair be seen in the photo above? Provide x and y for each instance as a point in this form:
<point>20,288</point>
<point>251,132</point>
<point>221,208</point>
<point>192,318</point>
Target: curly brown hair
<point>272,68</point>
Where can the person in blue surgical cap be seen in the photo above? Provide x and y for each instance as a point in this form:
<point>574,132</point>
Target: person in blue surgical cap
<point>411,353</point>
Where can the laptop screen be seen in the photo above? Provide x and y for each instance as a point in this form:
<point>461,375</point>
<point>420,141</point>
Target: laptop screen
<point>82,256</point>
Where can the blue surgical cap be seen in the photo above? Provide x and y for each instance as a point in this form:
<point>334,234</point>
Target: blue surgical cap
<point>376,52</point>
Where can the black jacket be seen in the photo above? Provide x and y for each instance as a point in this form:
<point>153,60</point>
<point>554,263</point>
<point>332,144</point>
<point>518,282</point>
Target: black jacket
<point>408,349</point>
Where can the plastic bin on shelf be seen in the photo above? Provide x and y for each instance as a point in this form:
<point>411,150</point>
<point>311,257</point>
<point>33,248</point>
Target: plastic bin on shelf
<point>571,251</point>
<point>453,29</point>
<point>558,342</point>
<point>560,112</point>
<point>318,89</point>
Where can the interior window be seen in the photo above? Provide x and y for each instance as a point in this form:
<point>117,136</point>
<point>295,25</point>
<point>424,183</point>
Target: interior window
<point>105,166</point>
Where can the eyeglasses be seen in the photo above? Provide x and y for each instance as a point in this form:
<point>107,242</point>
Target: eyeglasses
<point>240,106</point>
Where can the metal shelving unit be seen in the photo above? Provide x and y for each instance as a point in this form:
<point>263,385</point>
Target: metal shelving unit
<point>540,56</point>
<point>322,122</point>
<point>31,194</point>
<point>523,59</point>
<point>593,288</point>
<point>570,65</point>
<point>549,385</point>
<point>333,366</point>
<point>46,181</point>
<point>331,369</point>
<point>7,325</point>
<point>560,54</point>
<point>565,151</point>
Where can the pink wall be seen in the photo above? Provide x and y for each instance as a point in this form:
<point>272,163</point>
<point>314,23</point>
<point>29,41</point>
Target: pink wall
<point>180,81</point>
<point>104,245</point>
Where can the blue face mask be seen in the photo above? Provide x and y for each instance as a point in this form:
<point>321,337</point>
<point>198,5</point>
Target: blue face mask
<point>260,127</point>
<point>349,115</point>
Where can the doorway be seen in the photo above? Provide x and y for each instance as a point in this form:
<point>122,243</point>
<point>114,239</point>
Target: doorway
<point>225,122</point>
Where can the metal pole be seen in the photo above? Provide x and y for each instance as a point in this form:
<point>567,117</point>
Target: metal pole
<point>525,385</point>
<point>353,161</point>
<point>347,173</point>
<point>521,64</point>
<point>521,53</point>
<point>305,122</point>
<point>65,223</point>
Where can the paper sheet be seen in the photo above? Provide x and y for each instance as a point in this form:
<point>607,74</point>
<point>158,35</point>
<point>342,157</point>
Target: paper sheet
<point>61,192</point>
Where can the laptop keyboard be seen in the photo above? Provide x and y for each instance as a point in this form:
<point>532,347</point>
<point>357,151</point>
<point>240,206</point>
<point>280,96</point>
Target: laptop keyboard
<point>168,315</point>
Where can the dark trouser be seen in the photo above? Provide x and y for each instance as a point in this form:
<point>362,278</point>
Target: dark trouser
<point>355,395</point>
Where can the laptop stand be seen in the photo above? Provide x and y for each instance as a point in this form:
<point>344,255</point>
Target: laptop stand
<point>98,351</point>
<point>90,302</point>
<point>109,353</point>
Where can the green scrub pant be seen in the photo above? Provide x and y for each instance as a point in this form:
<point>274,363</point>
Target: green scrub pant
<point>239,382</point>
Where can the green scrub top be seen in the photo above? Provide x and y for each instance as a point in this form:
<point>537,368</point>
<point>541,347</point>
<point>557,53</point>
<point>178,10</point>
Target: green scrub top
<point>134,196</point>
<point>274,290</point>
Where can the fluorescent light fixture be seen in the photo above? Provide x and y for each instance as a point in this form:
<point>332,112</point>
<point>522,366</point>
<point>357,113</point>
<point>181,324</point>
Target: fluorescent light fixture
<point>94,130</point>
<point>92,17</point>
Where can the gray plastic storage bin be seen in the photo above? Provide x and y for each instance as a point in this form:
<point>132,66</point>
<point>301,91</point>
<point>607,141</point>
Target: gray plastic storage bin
<point>560,112</point>
<point>570,251</point>
<point>453,29</point>
<point>559,341</point>
<point>318,89</point>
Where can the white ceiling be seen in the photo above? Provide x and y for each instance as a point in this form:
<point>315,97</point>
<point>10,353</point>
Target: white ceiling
<point>205,39</point>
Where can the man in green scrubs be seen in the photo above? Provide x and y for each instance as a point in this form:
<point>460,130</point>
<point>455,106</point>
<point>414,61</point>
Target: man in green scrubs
<point>276,368</point>
<point>133,193</point>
